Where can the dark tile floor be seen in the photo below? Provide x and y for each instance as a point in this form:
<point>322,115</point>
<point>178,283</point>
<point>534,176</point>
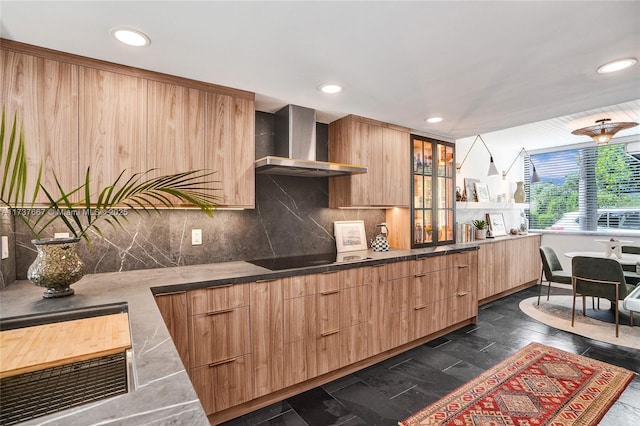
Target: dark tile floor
<point>392,390</point>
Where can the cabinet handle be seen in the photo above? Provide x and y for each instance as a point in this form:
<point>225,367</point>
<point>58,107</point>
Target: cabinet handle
<point>417,308</point>
<point>462,266</point>
<point>225,311</point>
<point>420,275</point>
<point>329,333</point>
<point>326,293</point>
<point>330,272</point>
<point>266,280</point>
<point>226,361</point>
<point>462,293</point>
<point>219,286</point>
<point>377,266</point>
<point>170,294</point>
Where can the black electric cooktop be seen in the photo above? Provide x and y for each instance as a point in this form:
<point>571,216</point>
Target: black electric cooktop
<point>290,262</point>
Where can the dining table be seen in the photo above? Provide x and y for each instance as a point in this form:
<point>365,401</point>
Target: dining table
<point>626,259</point>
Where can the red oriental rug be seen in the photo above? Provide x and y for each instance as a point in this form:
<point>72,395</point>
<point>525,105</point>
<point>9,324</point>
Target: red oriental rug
<point>538,385</point>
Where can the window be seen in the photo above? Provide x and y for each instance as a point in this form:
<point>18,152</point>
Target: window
<point>595,189</point>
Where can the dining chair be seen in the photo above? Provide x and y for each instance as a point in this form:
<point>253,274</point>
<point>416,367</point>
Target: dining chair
<point>630,272</point>
<point>631,249</point>
<point>551,270</point>
<point>598,277</point>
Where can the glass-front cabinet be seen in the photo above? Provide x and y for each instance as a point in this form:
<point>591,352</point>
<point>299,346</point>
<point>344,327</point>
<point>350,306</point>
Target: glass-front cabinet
<point>433,190</point>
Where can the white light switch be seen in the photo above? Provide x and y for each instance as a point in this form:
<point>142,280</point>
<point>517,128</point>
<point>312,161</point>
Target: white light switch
<point>5,247</point>
<point>196,237</point>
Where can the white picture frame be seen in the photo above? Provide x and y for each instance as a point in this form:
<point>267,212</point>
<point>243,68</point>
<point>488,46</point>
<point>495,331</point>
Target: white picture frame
<point>482,192</point>
<point>350,235</point>
<point>496,224</point>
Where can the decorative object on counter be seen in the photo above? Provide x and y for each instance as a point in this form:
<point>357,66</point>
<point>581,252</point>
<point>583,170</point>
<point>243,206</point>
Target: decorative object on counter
<point>470,189</point>
<point>535,178</point>
<point>513,231</point>
<point>350,235</point>
<point>613,246</point>
<point>482,192</point>
<point>481,229</point>
<point>379,242</point>
<point>56,266</point>
<point>496,224</point>
<point>603,131</point>
<point>519,195</point>
<point>459,196</point>
<point>109,205</point>
<point>524,224</point>
<point>493,171</point>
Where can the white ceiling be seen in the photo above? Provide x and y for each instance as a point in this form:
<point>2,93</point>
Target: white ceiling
<point>483,66</point>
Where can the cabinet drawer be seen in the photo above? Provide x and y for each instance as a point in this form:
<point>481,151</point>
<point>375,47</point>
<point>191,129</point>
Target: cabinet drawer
<point>218,336</point>
<point>213,299</point>
<point>224,384</point>
<point>430,264</point>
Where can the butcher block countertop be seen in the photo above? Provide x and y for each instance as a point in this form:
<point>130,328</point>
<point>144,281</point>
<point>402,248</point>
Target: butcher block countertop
<point>28,349</point>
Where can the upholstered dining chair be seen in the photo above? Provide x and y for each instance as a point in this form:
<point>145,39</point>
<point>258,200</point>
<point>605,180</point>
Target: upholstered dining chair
<point>552,270</point>
<point>598,277</point>
<point>630,271</point>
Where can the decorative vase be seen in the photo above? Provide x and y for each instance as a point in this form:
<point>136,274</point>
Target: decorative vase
<point>519,195</point>
<point>56,267</point>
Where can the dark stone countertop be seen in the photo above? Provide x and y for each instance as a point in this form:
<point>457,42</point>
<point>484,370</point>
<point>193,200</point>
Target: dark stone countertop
<point>163,393</point>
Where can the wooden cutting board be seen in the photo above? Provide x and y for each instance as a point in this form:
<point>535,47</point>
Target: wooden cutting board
<point>27,349</point>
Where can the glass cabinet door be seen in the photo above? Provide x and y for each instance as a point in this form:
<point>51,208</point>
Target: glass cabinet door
<point>433,189</point>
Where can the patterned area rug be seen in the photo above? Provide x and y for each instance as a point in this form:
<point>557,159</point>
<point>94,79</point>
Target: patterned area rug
<point>538,385</point>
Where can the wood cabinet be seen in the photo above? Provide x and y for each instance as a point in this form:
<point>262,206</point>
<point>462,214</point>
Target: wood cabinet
<point>507,265</point>
<point>444,292</point>
<point>325,317</point>
<point>220,346</point>
<point>230,148</point>
<point>79,112</point>
<point>175,128</point>
<point>173,308</point>
<point>43,94</point>
<point>112,125</point>
<point>383,149</point>
<point>389,305</point>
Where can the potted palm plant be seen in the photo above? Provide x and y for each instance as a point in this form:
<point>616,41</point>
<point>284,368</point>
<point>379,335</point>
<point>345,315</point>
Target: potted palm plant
<point>481,229</point>
<point>57,265</point>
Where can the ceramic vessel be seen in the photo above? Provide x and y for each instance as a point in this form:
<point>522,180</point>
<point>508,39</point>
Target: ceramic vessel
<point>56,266</point>
<point>519,195</point>
<point>481,234</point>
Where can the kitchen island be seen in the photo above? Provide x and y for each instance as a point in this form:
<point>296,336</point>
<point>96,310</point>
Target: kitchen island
<point>163,392</point>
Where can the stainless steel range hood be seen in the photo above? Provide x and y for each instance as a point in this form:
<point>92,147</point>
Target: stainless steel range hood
<point>295,148</point>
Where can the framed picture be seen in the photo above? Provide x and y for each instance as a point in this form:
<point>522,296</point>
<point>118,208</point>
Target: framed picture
<point>350,235</point>
<point>482,192</point>
<point>470,189</point>
<point>496,224</point>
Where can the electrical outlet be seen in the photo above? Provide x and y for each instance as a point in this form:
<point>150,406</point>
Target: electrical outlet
<point>5,247</point>
<point>196,237</point>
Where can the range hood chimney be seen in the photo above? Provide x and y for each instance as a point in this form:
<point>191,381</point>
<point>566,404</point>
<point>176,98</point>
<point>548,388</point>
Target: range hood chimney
<point>295,148</point>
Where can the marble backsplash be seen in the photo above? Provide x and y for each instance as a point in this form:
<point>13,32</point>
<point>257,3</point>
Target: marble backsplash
<point>291,218</point>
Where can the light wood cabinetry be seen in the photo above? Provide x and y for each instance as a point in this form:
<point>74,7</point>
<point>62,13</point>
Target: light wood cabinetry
<point>79,112</point>
<point>325,319</point>
<point>112,124</point>
<point>384,149</point>
<point>219,345</point>
<point>444,292</point>
<point>389,305</point>
<point>44,95</point>
<point>508,265</point>
<point>230,148</point>
<point>173,308</point>
<point>175,128</point>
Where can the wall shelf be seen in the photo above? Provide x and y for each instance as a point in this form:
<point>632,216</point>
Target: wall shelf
<point>485,205</point>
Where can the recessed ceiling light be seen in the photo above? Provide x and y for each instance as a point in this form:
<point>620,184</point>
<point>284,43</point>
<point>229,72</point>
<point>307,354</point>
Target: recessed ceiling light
<point>330,88</point>
<point>617,65</point>
<point>434,119</point>
<point>131,37</point>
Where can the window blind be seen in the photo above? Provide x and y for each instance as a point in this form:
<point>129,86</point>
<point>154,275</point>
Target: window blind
<point>595,189</point>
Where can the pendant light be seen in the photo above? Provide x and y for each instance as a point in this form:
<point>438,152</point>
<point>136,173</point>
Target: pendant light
<point>493,170</point>
<point>603,130</point>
